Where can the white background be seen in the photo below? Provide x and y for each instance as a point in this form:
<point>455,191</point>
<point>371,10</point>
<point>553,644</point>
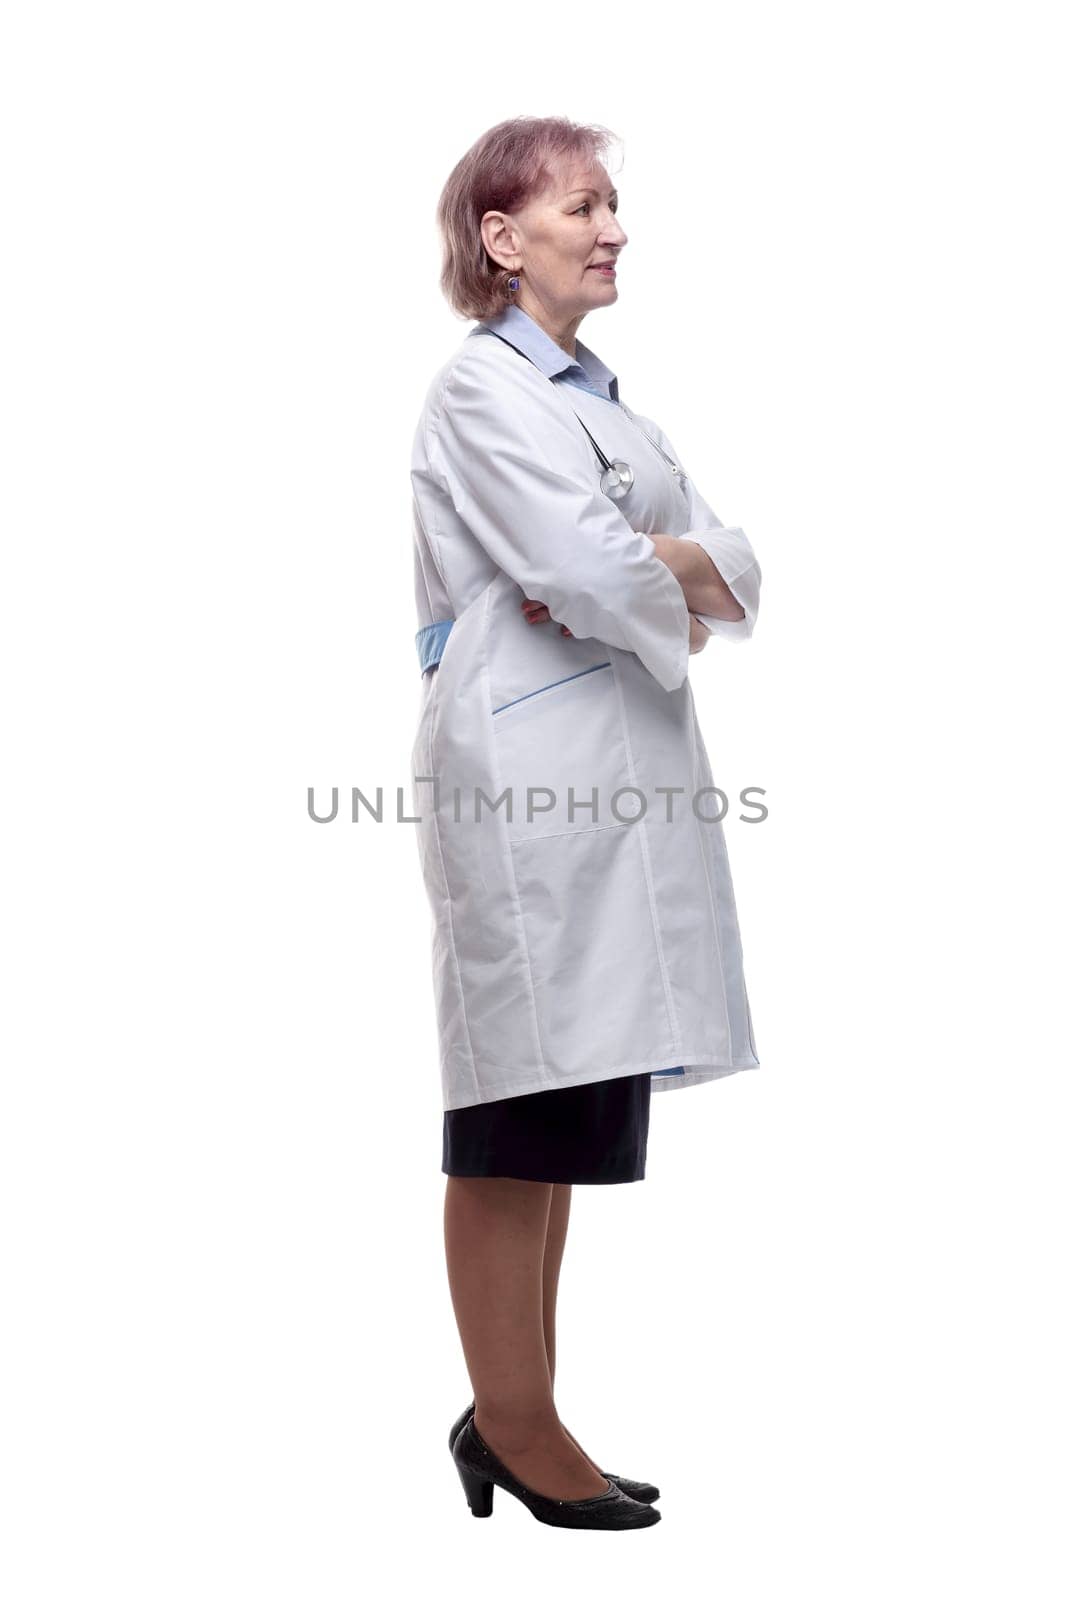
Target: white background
<point>828,1323</point>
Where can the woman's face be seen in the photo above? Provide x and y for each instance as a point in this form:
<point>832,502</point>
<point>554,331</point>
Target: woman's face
<point>557,240</point>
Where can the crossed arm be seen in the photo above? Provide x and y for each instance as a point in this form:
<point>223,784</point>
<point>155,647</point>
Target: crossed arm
<point>517,476</point>
<point>702,585</point>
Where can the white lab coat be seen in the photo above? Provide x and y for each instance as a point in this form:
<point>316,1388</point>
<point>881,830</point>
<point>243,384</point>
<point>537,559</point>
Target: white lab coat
<point>567,947</point>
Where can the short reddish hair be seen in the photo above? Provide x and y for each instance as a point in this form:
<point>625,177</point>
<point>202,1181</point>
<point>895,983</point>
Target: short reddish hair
<point>505,168</point>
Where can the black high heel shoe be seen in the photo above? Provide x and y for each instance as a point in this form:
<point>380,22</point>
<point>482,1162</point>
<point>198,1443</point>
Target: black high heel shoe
<point>480,1471</point>
<point>636,1488</point>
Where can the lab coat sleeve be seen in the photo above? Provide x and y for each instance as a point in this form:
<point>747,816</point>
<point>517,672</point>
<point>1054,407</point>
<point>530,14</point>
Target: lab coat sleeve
<point>729,548</point>
<point>522,477</point>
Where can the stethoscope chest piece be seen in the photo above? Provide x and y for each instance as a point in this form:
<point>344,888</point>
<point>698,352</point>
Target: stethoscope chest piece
<point>616,480</point>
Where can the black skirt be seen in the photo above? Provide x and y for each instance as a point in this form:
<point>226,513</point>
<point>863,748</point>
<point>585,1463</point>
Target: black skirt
<point>587,1133</point>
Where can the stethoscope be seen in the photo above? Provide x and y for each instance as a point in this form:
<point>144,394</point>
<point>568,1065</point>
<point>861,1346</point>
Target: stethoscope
<point>617,477</point>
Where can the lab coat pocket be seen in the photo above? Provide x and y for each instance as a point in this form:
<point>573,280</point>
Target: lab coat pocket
<point>561,750</point>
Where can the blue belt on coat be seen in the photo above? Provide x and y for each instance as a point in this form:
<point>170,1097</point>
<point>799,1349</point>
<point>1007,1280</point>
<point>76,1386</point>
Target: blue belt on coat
<point>430,643</point>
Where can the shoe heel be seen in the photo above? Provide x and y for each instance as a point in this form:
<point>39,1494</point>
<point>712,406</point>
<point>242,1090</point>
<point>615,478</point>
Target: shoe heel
<point>479,1491</point>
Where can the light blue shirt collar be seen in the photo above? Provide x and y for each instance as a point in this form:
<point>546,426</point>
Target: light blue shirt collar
<point>587,372</point>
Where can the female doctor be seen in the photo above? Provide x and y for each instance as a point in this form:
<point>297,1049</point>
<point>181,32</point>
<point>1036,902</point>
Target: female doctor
<point>586,950</point>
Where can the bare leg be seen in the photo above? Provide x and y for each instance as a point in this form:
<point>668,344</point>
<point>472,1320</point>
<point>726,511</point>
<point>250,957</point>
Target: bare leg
<point>555,1239</point>
<point>559,1214</point>
<point>495,1238</point>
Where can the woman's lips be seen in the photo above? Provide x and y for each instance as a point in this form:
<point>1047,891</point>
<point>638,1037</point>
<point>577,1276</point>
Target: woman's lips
<point>607,270</point>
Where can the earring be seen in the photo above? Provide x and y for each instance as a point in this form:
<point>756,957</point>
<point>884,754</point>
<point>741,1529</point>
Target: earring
<point>513,283</point>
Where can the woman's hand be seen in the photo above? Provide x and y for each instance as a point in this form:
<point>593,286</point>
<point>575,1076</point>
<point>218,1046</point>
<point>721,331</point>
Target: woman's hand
<point>698,575</point>
<point>698,634</point>
<point>537,611</point>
